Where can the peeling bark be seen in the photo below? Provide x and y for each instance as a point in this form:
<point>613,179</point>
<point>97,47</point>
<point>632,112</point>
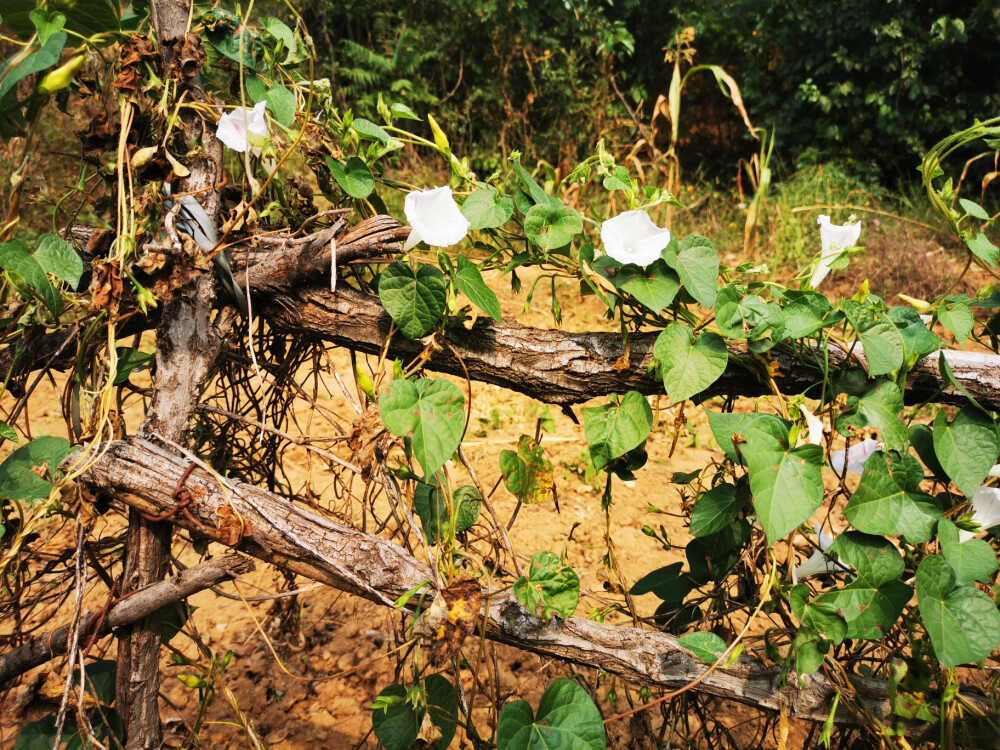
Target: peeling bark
<point>186,349</point>
<point>553,366</point>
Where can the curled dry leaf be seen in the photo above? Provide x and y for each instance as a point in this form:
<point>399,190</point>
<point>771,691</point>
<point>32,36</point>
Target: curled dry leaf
<point>232,527</point>
<point>365,433</point>
<point>106,285</point>
<point>451,617</point>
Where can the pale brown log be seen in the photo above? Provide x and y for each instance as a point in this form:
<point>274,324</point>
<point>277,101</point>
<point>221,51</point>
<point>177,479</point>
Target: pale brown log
<point>154,598</point>
<point>560,367</point>
<point>144,476</point>
<point>281,264</point>
<point>300,540</point>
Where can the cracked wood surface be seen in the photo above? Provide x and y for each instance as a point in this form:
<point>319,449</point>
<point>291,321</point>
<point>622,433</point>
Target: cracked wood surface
<point>186,349</point>
<point>560,367</point>
<point>278,531</point>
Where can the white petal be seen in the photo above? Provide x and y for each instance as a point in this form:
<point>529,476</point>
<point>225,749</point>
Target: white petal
<point>985,511</point>
<point>257,120</point>
<point>232,132</point>
<point>856,456</point>
<point>411,241</point>
<point>825,540</point>
<point>435,217</point>
<point>632,237</point>
<point>818,562</point>
<point>819,274</point>
<point>836,239</point>
<point>243,127</point>
<point>815,565</point>
<point>815,425</point>
<point>995,471</point>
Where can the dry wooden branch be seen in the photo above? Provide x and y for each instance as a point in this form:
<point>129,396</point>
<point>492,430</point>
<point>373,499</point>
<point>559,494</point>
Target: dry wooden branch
<point>142,603</point>
<point>551,365</point>
<point>289,263</point>
<point>558,367</point>
<point>278,531</point>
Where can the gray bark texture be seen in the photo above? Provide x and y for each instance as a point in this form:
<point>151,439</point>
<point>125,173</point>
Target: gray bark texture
<point>186,349</point>
<point>560,367</point>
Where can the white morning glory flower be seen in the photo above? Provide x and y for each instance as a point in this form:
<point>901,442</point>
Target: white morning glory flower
<point>435,218</point>
<point>836,239</point>
<point>819,563</point>
<point>632,237</point>
<point>815,425</point>
<point>243,128</point>
<point>985,512</point>
<point>856,456</point>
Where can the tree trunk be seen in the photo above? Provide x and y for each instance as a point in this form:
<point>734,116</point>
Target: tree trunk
<point>186,349</point>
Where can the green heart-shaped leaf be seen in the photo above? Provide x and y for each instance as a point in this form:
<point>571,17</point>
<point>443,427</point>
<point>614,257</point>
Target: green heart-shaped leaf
<point>354,176</point>
<point>470,282</point>
<point>889,500</point>
<point>967,448</point>
<point>430,413</point>
<point>880,408</point>
<point>20,478</point>
<point>551,587</point>
<point>415,301</point>
<point>282,104</point>
<point>883,347</point>
<point>959,319</point>
<point>707,647</point>
<point>689,366</point>
<point>57,257</point>
<point>655,286</point>
<point>963,622</point>
<point>16,259</point>
<point>697,263</point>
<point>973,560</point>
<point>486,208</point>
<point>872,604</point>
<point>715,510</point>
<point>551,226</point>
<point>612,431</point>
<point>787,484</point>
<point>726,426</point>
<point>567,719</point>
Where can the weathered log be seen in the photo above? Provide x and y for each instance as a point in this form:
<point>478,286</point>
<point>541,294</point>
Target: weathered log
<point>553,366</point>
<point>287,263</point>
<point>277,531</point>
<point>142,603</point>
<point>559,367</point>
